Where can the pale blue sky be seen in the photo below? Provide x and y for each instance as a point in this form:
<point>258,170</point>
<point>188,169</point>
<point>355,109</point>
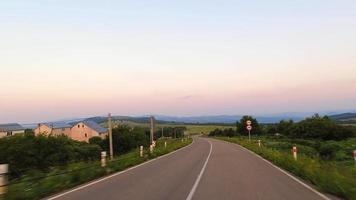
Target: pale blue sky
<point>76,58</point>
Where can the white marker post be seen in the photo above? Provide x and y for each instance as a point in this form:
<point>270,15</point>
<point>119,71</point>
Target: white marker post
<point>295,151</point>
<point>4,168</point>
<point>151,148</point>
<point>103,158</point>
<point>355,156</point>
<point>259,143</point>
<point>141,151</point>
<point>165,144</point>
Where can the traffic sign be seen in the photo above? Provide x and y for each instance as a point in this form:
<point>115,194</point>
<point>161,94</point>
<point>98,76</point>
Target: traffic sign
<point>248,122</point>
<point>249,127</point>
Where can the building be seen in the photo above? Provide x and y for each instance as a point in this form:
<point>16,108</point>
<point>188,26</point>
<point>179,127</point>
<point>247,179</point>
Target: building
<point>54,129</point>
<point>11,129</point>
<point>84,130</point>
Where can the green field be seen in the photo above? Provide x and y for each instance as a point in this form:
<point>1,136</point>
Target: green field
<point>191,129</point>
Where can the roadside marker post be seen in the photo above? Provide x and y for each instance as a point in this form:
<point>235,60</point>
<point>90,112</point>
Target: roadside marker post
<point>151,148</point>
<point>4,168</point>
<point>141,151</point>
<point>165,144</point>
<point>259,143</point>
<point>103,158</point>
<point>295,152</point>
<point>355,156</point>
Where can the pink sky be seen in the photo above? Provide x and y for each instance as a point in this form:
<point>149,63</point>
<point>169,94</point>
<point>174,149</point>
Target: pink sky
<point>63,59</point>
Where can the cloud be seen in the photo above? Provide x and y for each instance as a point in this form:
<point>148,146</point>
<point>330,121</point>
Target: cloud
<point>186,97</point>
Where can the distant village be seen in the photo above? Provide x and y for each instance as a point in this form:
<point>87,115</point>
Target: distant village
<point>80,131</point>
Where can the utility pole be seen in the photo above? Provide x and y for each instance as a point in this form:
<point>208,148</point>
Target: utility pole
<point>151,132</point>
<point>110,137</point>
<point>162,133</point>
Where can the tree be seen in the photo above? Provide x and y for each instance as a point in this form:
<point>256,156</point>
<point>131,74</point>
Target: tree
<point>284,127</point>
<point>317,127</point>
<point>96,140</point>
<point>126,138</point>
<point>241,127</point>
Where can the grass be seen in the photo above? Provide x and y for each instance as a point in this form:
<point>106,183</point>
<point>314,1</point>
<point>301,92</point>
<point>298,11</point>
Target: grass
<point>327,176</point>
<point>38,184</point>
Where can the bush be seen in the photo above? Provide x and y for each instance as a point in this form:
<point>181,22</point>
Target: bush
<point>125,139</point>
<point>96,141</point>
<point>328,150</point>
<point>25,152</point>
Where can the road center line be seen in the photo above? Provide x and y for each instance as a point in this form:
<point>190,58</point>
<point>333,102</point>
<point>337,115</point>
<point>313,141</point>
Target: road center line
<point>192,191</point>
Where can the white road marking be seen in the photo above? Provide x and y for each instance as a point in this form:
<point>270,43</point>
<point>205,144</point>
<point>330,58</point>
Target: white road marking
<point>283,171</point>
<point>192,191</point>
<point>118,173</point>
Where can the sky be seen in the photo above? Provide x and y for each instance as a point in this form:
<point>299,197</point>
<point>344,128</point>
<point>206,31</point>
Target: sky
<point>61,59</point>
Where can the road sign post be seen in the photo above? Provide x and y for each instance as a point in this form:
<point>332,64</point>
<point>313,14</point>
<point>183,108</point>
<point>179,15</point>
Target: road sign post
<point>4,168</point>
<point>249,128</point>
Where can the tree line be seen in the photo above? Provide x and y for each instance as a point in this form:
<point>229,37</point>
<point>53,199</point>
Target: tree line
<point>315,127</point>
<point>29,152</point>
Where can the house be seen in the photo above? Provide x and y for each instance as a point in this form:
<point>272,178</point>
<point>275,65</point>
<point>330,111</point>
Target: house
<point>54,129</point>
<point>11,129</point>
<point>84,130</point>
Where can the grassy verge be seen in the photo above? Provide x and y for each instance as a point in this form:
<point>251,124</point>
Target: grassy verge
<point>326,176</point>
<point>37,184</point>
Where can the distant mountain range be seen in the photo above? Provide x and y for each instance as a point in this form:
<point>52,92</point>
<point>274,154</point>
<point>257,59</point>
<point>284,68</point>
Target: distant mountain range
<point>224,119</point>
<point>213,119</point>
<point>344,117</point>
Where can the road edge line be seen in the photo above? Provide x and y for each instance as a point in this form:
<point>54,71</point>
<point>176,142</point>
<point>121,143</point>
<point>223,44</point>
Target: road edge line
<point>282,170</point>
<point>115,174</point>
<point>196,183</point>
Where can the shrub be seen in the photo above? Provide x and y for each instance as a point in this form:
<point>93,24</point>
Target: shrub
<point>25,152</point>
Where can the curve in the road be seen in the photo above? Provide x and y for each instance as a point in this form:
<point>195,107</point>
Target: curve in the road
<point>196,183</point>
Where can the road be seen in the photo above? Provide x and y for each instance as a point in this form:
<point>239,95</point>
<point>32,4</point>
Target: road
<point>207,169</point>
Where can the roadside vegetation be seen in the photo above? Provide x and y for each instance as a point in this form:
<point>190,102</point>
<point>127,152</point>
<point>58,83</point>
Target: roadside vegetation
<point>324,150</point>
<point>41,166</point>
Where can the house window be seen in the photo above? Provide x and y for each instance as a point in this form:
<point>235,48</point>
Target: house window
<point>86,135</point>
<point>83,125</point>
<point>9,133</point>
<point>78,126</point>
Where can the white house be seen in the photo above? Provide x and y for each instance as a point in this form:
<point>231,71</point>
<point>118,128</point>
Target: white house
<point>11,129</point>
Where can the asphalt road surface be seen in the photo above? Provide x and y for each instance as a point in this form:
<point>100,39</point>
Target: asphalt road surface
<point>207,169</point>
